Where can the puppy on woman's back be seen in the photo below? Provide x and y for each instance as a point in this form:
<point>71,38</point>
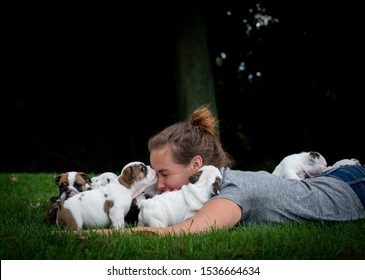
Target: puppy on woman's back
<point>300,166</point>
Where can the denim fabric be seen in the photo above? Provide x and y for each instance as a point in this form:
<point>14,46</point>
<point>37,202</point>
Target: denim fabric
<point>354,175</point>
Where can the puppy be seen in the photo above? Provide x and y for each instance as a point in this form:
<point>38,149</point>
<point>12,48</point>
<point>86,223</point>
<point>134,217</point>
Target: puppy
<point>342,162</point>
<point>106,206</point>
<point>132,216</point>
<point>300,166</point>
<point>171,208</point>
<point>69,184</point>
<point>102,180</point>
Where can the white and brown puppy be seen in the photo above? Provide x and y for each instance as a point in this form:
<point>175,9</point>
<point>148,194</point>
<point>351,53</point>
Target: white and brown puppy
<point>69,184</point>
<point>171,208</point>
<point>300,166</point>
<point>132,216</point>
<point>106,206</point>
<point>102,180</point>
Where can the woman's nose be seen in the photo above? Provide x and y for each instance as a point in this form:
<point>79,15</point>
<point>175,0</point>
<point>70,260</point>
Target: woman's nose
<point>160,186</point>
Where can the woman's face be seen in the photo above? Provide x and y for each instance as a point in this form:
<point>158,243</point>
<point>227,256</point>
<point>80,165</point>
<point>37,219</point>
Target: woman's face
<point>171,176</point>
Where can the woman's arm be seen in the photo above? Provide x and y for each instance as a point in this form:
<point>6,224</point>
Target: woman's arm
<point>215,214</point>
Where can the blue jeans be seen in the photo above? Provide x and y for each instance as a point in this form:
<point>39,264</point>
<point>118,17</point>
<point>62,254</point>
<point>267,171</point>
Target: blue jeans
<point>354,175</point>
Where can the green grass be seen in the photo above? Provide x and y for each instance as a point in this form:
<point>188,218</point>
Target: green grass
<point>23,235</point>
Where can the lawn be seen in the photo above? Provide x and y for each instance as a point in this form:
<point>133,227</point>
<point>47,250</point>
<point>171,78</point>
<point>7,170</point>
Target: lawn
<point>24,236</point>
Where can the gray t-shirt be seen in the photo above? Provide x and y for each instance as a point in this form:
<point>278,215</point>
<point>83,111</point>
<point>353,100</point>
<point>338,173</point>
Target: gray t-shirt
<point>265,197</point>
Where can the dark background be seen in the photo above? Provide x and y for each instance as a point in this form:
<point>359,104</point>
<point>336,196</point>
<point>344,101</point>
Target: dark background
<point>85,87</point>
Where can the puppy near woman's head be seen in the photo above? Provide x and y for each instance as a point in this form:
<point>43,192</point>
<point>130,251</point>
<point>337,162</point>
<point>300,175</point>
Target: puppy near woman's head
<point>171,208</point>
<point>134,172</point>
<point>212,177</point>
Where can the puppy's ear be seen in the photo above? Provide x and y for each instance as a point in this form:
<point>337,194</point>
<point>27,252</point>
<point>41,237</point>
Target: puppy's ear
<point>216,185</point>
<point>127,177</point>
<point>314,155</point>
<point>195,177</point>
<point>85,177</point>
<point>57,179</point>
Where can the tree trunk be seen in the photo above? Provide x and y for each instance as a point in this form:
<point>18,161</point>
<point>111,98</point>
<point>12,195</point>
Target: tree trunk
<point>194,77</point>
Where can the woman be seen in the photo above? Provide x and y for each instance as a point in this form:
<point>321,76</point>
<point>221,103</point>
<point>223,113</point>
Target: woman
<point>245,197</point>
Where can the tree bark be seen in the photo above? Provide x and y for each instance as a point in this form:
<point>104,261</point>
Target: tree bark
<point>194,77</point>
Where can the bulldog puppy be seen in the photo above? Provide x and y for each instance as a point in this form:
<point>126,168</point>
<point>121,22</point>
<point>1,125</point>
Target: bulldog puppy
<point>171,208</point>
<point>69,184</point>
<point>102,180</point>
<point>132,216</point>
<point>342,162</point>
<point>300,166</point>
<point>106,206</point>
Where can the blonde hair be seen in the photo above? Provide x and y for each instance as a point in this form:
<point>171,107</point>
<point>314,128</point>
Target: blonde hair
<point>195,136</point>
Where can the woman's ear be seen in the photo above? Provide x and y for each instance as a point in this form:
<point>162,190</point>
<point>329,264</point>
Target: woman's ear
<point>197,163</point>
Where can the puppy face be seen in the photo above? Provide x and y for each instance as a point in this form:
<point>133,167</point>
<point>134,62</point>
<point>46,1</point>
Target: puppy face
<point>208,175</point>
<point>71,183</point>
<point>102,180</point>
<point>316,163</point>
<point>134,172</point>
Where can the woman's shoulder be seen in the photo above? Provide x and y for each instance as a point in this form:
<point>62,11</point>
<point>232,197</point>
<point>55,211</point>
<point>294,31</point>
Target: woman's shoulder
<point>244,178</point>
<point>226,171</point>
